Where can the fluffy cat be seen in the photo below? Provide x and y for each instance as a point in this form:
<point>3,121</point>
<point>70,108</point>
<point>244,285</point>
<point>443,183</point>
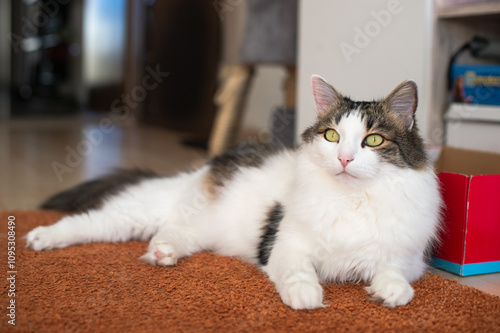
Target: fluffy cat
<point>357,201</point>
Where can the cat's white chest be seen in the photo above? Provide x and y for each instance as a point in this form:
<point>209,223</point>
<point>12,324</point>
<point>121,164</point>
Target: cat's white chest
<point>348,241</point>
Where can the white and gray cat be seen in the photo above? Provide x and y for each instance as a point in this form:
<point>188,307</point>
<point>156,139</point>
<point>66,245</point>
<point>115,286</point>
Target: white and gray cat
<point>357,201</point>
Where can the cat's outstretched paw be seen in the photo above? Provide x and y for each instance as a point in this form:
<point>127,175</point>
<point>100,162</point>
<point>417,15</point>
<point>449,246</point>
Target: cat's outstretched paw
<point>391,293</point>
<point>43,238</point>
<point>302,295</point>
<point>161,255</point>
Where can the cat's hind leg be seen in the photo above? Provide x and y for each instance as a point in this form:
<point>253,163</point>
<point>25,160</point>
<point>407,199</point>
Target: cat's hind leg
<point>93,226</point>
<point>170,244</point>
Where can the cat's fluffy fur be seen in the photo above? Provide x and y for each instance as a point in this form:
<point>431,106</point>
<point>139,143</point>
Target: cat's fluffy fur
<point>342,211</point>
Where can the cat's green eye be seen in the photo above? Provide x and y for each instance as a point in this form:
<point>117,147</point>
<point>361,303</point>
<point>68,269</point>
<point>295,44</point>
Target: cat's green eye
<point>332,135</point>
<point>374,140</point>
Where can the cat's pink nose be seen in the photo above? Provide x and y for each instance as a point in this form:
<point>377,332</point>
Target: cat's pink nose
<point>345,161</point>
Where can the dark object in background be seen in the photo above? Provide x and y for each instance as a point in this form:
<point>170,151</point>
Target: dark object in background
<point>479,47</point>
<point>283,127</point>
<point>43,57</point>
<point>270,33</point>
<point>182,38</point>
<point>270,37</point>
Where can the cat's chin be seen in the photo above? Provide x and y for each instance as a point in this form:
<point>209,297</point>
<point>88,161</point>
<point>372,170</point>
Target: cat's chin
<point>346,177</point>
<point>350,179</point>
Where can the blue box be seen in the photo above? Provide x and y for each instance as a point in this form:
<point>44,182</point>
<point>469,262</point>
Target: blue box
<point>476,84</point>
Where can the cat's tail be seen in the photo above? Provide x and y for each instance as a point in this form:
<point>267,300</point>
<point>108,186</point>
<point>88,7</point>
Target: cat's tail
<point>92,194</point>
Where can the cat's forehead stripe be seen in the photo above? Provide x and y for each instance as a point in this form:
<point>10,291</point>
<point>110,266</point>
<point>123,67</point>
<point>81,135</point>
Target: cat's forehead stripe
<point>354,111</point>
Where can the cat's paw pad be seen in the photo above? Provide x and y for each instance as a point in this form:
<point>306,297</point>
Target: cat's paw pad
<point>161,255</point>
<point>302,295</point>
<point>392,293</point>
<point>42,238</point>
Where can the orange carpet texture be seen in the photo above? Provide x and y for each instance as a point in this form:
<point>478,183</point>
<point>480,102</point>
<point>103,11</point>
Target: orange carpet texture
<point>105,288</point>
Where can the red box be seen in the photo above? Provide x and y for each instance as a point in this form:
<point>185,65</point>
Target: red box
<point>470,239</point>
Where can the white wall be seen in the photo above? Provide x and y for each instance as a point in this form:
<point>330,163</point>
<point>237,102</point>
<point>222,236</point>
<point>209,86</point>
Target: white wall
<point>364,49</point>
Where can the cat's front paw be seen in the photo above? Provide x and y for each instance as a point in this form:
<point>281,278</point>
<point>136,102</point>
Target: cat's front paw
<point>161,255</point>
<point>391,293</point>
<point>43,238</point>
<point>302,295</point>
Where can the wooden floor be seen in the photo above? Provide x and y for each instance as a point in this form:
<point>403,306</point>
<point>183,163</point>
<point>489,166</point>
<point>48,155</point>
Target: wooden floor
<point>41,157</point>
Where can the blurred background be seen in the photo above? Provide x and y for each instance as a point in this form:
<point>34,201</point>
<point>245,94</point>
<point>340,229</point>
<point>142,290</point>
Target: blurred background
<point>62,58</point>
<point>89,85</point>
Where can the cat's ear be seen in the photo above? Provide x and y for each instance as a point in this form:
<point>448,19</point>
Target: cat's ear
<point>324,95</point>
<point>403,101</point>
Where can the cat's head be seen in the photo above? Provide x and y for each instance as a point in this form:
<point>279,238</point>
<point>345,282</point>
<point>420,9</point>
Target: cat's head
<point>356,141</point>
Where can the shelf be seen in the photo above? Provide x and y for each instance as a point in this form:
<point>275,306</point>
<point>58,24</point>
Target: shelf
<point>449,11</point>
<point>473,113</point>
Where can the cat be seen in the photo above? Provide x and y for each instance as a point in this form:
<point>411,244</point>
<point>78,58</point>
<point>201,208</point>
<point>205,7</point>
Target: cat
<point>358,200</point>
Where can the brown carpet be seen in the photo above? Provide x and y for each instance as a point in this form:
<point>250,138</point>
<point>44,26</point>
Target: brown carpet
<point>105,288</point>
